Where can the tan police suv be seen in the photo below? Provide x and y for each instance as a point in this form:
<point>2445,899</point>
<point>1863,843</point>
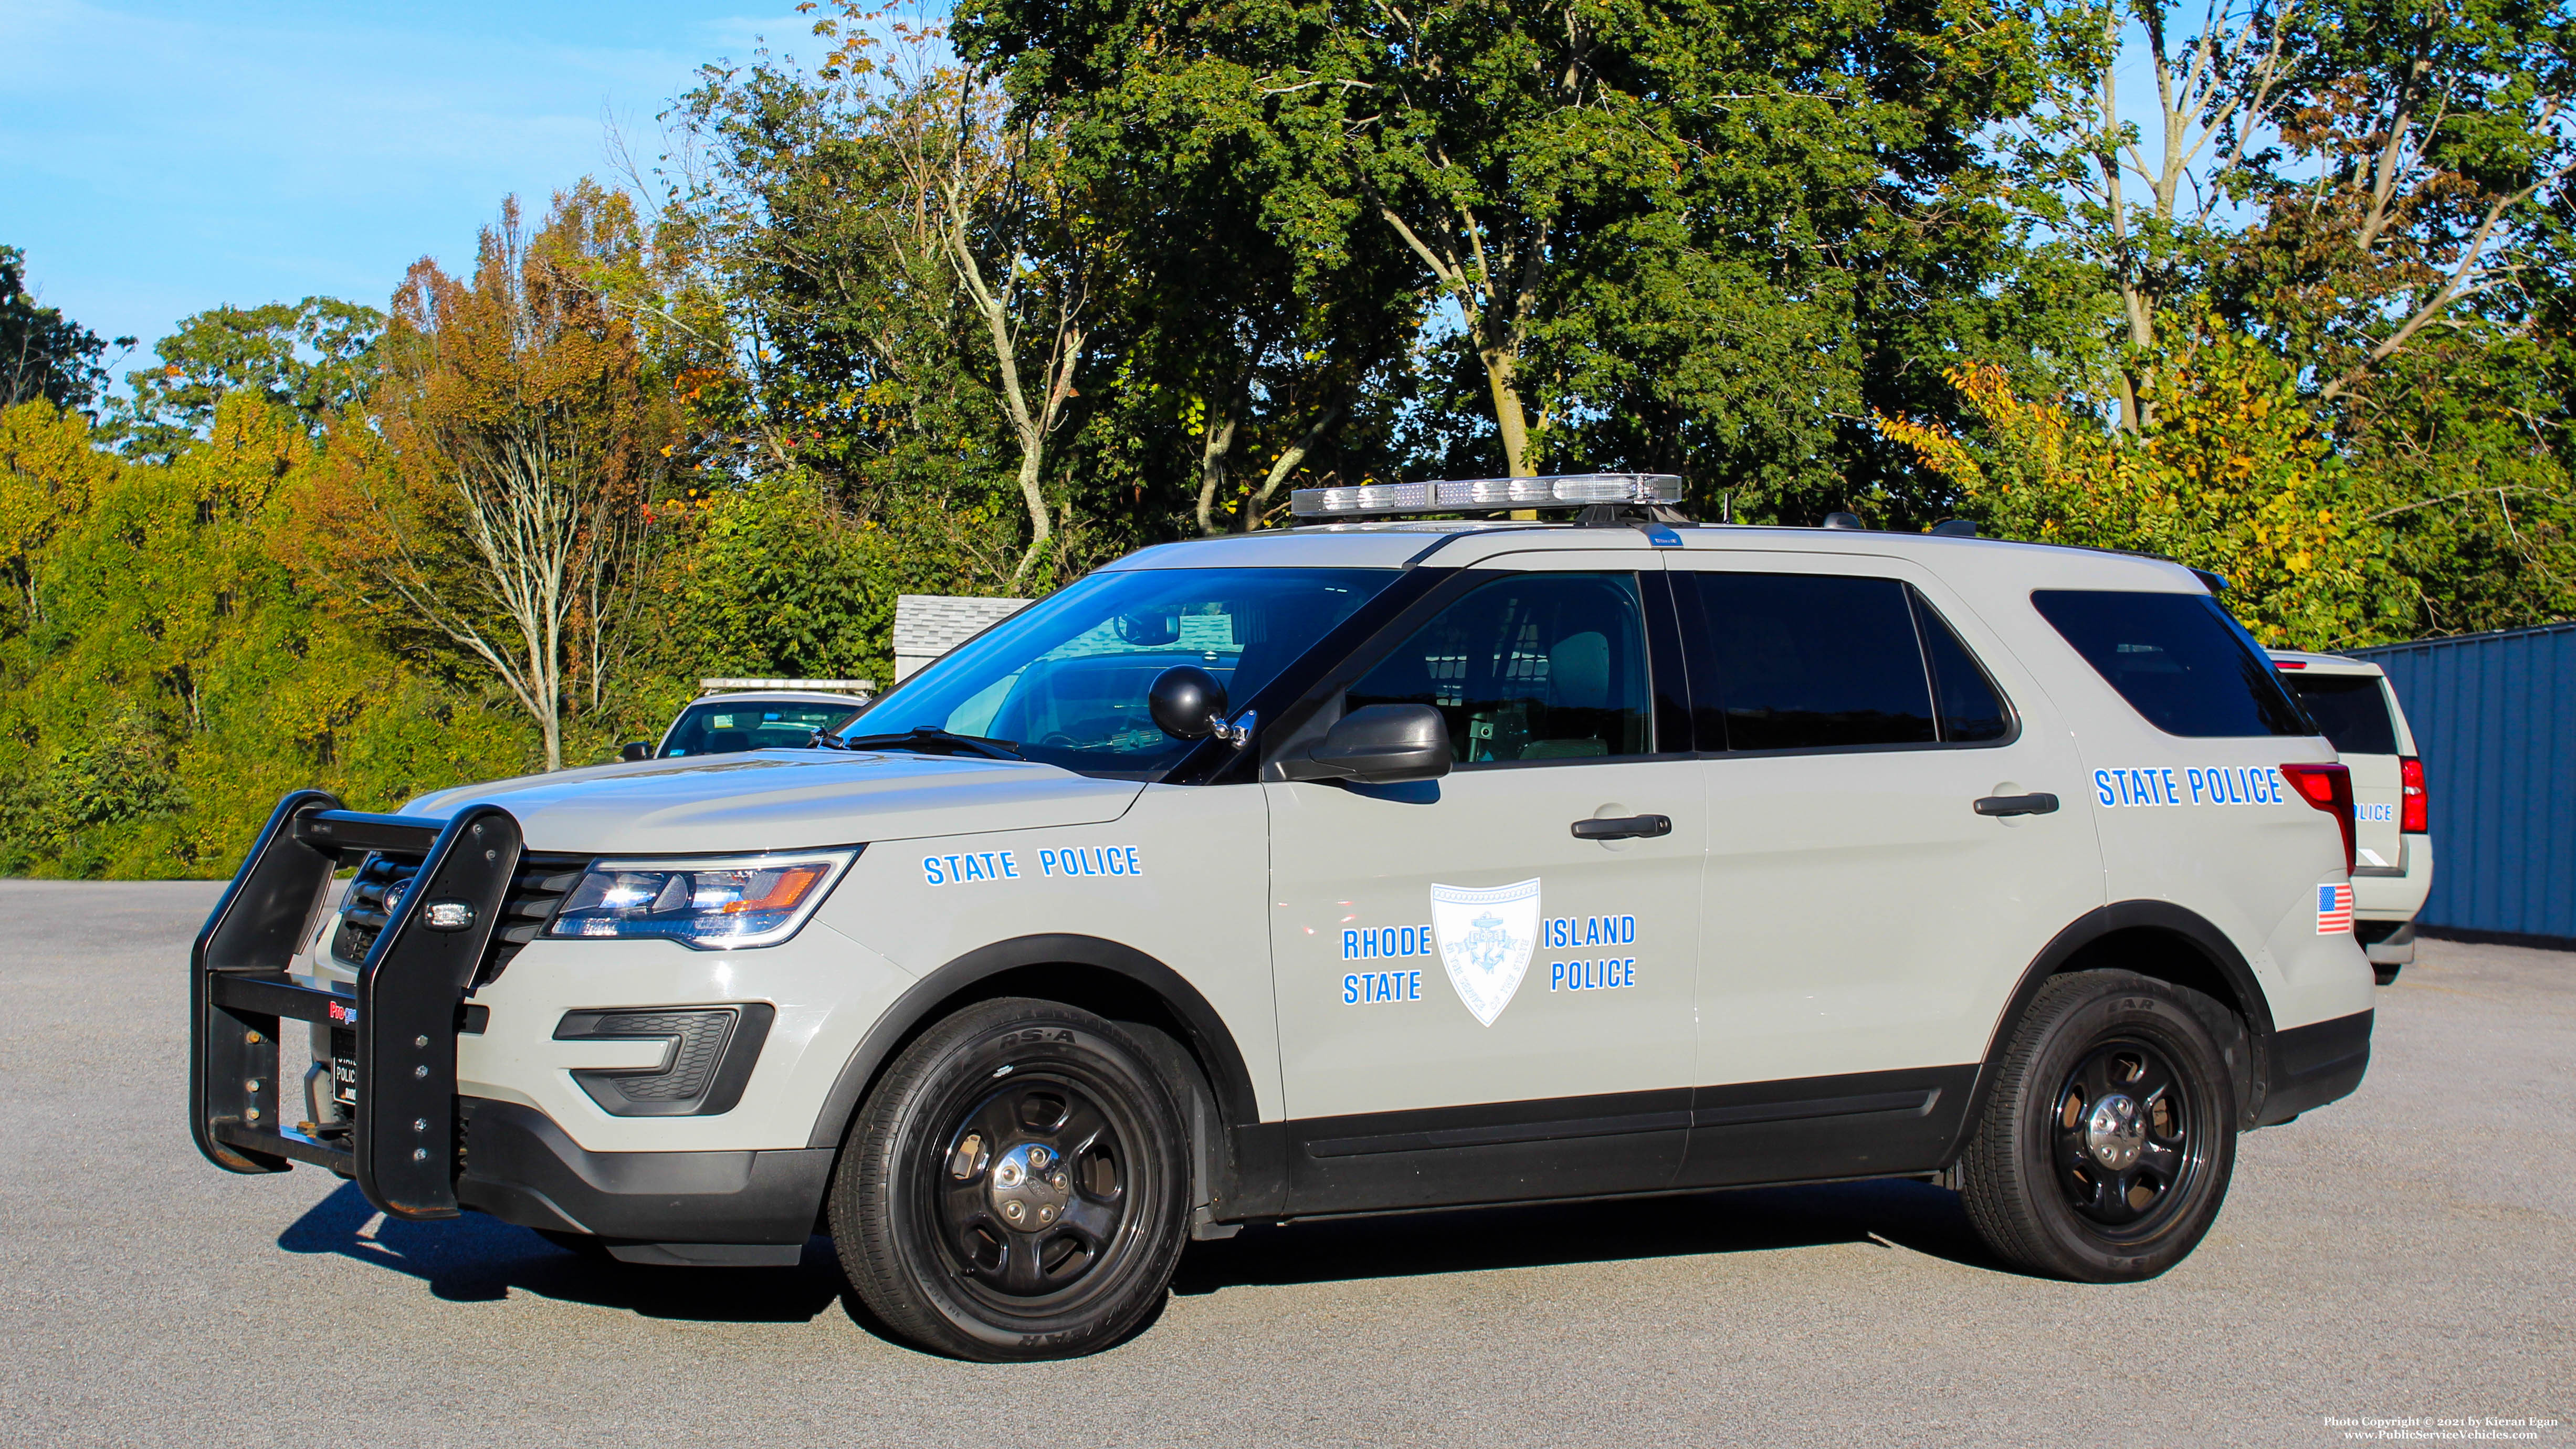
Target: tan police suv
<point>1392,861</point>
<point>2353,706</point>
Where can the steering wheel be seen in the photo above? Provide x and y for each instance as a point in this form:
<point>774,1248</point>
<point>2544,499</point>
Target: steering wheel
<point>1061,741</point>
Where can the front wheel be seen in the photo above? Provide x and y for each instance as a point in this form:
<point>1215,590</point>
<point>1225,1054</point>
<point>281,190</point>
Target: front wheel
<point>1015,1187</point>
<point>2106,1146</point>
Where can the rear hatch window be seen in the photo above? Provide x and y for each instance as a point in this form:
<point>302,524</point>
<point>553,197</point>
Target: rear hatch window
<point>2179,661</point>
<point>2351,709</point>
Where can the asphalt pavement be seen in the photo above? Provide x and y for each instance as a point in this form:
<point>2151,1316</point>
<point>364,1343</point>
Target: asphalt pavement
<point>2404,1254</point>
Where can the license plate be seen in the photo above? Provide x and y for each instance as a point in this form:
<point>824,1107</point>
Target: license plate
<point>344,1068</point>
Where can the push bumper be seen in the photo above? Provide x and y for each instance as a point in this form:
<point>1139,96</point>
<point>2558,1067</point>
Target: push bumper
<point>401,1144</point>
<point>2315,1064</point>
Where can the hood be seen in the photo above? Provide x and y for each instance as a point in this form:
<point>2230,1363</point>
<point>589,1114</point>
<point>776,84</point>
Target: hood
<point>784,800</point>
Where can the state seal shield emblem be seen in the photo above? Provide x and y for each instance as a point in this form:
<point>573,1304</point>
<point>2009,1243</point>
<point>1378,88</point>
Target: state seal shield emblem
<point>1485,937</point>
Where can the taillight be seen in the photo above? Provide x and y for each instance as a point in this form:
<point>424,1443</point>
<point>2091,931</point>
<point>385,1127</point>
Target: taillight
<point>2328,788</point>
<point>2413,818</point>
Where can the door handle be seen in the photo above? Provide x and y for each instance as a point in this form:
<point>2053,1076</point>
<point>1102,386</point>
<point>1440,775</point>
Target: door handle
<point>1624,827</point>
<point>2033,804</point>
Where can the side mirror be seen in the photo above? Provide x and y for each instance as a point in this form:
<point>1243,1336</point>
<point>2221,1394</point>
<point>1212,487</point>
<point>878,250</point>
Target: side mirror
<point>1383,744</point>
<point>635,750</point>
<point>1187,703</point>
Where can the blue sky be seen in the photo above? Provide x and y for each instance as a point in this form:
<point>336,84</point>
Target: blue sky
<point>157,159</point>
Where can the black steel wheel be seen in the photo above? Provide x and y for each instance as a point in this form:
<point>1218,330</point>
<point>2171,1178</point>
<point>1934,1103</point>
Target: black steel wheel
<point>2128,1140</point>
<point>2107,1142</point>
<point>1015,1187</point>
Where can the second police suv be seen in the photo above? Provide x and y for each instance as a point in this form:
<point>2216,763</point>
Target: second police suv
<point>1362,866</point>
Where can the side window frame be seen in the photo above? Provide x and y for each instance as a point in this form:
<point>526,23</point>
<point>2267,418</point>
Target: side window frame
<point>1708,691</point>
<point>1319,707</point>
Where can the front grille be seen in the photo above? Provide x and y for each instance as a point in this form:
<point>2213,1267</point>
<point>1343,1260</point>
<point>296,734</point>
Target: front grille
<point>540,884</point>
<point>372,899</point>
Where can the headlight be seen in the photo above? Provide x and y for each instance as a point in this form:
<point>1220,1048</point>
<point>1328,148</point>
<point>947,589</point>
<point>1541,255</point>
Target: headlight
<point>718,904</point>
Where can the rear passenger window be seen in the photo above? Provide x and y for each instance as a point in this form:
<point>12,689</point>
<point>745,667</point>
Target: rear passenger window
<point>1813,661</point>
<point>2177,659</point>
<point>1972,712</point>
<point>2351,710</point>
<point>1542,666</point>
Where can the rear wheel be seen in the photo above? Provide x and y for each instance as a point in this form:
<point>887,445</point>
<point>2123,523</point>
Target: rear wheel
<point>2386,975</point>
<point>2106,1147</point>
<point>1015,1187</point>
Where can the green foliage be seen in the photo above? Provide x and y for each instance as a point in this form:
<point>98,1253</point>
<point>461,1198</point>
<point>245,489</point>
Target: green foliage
<point>2234,478</point>
<point>1699,238</point>
<point>2463,451</point>
<point>169,678</point>
<point>779,584</point>
<point>314,358</point>
<point>44,354</point>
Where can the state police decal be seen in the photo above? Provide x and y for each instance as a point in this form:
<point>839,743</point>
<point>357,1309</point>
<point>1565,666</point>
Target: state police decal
<point>1485,938</point>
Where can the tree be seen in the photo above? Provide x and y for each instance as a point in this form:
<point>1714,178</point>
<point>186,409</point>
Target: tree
<point>921,284</point>
<point>44,354</point>
<point>497,501</point>
<point>314,358</point>
<point>2379,197</point>
<point>2419,185</point>
<point>48,473</point>
<point>182,673</point>
<point>2338,174</point>
<point>1689,237</point>
<point>2235,479</point>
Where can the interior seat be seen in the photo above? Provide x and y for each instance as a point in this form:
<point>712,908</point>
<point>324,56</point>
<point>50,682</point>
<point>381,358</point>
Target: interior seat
<point>1578,678</point>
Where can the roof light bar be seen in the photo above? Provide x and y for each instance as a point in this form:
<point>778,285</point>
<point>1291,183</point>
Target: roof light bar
<point>1467,494</point>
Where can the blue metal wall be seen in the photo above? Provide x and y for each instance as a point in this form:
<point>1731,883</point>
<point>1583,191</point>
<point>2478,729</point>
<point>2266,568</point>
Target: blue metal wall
<point>2495,720</point>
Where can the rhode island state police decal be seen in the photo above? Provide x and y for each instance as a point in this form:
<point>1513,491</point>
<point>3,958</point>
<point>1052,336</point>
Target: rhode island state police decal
<point>1486,937</point>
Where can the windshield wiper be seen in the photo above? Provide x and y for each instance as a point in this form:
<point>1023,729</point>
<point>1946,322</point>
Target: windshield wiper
<point>928,739</point>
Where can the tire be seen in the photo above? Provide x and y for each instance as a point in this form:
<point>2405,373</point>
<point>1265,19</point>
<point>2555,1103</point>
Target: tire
<point>2106,1146</point>
<point>1015,1187</point>
<point>2385,975</point>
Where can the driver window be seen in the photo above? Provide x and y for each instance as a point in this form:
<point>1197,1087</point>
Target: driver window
<point>1541,666</point>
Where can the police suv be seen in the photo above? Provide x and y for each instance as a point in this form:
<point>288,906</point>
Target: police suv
<point>1362,866</point>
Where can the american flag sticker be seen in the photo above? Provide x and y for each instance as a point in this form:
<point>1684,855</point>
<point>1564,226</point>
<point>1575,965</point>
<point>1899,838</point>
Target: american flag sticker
<point>2334,909</point>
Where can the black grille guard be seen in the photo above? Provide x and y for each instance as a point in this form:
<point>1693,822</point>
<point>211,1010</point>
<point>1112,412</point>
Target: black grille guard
<point>402,1148</point>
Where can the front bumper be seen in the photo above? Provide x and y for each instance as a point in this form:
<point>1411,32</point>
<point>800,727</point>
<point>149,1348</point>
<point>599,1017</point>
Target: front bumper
<point>729,1208</point>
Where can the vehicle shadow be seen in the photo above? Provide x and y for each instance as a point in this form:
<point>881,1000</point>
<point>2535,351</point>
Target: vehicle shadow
<point>480,1259</point>
<point>1894,1211</point>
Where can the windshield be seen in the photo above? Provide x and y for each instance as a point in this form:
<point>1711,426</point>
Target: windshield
<point>723,727</point>
<point>1065,679</point>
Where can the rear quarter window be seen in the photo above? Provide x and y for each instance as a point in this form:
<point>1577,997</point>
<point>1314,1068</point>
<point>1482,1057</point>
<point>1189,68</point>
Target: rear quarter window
<point>2178,660</point>
<point>2351,709</point>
